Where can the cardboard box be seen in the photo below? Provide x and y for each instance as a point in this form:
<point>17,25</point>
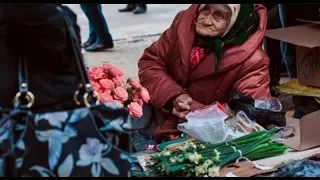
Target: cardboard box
<point>306,37</point>
<point>306,132</point>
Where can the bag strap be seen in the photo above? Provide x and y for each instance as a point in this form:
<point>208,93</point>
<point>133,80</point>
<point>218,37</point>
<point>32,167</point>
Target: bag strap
<point>25,99</point>
<point>89,96</point>
<point>79,62</point>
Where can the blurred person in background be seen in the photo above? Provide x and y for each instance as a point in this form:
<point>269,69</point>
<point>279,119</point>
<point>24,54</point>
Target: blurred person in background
<point>283,55</point>
<point>99,36</point>
<point>272,47</point>
<point>38,33</point>
<point>289,13</point>
<point>135,8</point>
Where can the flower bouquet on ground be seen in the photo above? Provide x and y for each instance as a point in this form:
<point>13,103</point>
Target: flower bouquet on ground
<point>206,160</point>
<point>107,81</point>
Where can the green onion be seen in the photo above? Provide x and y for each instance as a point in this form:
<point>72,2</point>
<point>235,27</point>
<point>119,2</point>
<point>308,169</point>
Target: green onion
<point>197,161</point>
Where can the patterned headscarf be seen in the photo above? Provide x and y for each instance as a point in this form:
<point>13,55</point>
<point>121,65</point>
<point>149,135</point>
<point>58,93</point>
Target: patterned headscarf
<point>243,23</point>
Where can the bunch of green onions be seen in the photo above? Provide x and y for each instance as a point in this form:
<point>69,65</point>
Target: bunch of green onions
<point>207,159</point>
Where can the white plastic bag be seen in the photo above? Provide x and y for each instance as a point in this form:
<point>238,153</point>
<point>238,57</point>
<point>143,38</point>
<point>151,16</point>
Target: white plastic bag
<point>207,124</point>
<point>241,125</point>
<point>210,125</point>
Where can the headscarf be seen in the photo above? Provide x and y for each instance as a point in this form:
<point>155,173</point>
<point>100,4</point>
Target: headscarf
<point>243,23</point>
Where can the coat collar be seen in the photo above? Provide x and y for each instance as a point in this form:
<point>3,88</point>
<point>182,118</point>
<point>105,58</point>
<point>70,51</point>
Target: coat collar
<point>186,36</point>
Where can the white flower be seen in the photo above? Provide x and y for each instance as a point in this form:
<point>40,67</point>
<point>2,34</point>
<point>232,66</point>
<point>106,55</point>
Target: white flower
<point>207,163</point>
<point>180,158</point>
<point>91,153</point>
<point>192,145</point>
<point>172,160</point>
<point>165,153</point>
<point>214,172</point>
<point>195,157</point>
<point>184,146</point>
<point>199,170</point>
<point>203,169</point>
<point>202,146</point>
<point>217,154</point>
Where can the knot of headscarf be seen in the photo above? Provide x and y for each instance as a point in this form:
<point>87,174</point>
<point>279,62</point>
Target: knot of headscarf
<point>245,25</point>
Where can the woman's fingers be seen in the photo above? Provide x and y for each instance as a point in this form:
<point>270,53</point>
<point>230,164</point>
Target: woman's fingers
<point>188,100</point>
<point>184,107</point>
<point>179,114</point>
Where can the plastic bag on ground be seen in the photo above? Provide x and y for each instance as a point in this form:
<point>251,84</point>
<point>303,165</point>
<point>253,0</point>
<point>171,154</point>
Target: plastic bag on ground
<point>210,125</point>
<point>272,104</point>
<point>240,102</point>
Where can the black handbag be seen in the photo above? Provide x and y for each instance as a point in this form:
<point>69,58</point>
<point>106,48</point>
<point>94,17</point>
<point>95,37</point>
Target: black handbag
<point>65,143</point>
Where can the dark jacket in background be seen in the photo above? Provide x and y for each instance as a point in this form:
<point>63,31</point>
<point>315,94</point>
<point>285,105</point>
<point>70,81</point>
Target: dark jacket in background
<point>38,32</point>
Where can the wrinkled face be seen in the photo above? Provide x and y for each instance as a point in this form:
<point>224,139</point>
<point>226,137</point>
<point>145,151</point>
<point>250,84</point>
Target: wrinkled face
<point>213,20</point>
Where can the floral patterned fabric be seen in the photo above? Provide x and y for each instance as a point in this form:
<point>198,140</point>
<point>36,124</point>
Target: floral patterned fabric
<point>196,55</point>
<point>69,143</point>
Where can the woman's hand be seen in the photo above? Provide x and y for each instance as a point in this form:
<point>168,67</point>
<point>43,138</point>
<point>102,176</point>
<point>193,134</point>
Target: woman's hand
<point>182,106</point>
<point>179,114</point>
<point>182,103</point>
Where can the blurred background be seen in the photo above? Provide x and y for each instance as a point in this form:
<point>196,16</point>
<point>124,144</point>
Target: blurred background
<point>131,33</point>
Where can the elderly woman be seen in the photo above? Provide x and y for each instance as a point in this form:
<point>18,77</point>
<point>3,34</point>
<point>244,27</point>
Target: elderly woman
<point>209,51</point>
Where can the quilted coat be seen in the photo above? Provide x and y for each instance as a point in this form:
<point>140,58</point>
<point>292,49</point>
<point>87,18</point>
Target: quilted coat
<point>164,69</point>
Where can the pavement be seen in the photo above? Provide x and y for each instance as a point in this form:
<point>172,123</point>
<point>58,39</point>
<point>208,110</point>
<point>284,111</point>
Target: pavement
<point>131,33</point>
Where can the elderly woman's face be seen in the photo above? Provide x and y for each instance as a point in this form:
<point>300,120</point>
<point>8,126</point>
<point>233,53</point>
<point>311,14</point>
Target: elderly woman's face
<point>213,20</point>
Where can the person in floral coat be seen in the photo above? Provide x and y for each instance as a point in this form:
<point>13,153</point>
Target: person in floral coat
<point>208,52</point>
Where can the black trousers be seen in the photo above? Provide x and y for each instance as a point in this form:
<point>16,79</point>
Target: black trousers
<point>144,6</point>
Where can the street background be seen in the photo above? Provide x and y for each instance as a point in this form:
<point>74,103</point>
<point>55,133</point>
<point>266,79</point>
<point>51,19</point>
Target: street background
<point>131,33</point>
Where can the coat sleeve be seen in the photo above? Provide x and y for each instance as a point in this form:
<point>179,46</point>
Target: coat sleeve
<point>153,73</point>
<point>255,78</point>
